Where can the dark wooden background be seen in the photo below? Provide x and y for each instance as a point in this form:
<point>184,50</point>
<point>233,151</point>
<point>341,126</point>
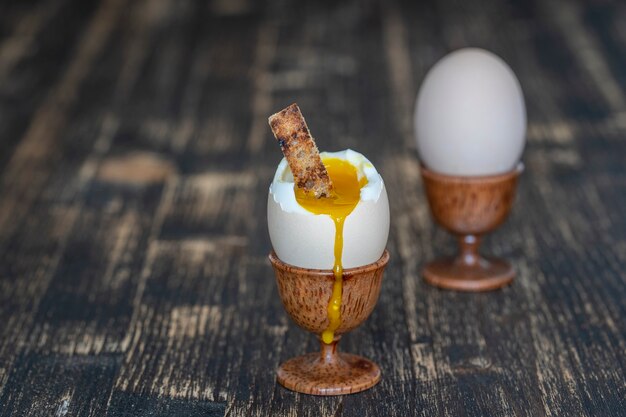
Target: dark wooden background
<point>135,159</point>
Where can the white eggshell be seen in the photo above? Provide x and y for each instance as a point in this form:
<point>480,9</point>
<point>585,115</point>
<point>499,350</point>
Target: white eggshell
<point>307,240</point>
<point>470,117</point>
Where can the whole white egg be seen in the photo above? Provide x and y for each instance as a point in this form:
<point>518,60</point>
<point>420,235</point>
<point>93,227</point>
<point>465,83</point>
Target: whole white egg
<point>470,117</point>
<point>307,240</point>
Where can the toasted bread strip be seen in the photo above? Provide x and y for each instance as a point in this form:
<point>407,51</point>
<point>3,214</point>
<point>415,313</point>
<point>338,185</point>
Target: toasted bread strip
<point>299,148</point>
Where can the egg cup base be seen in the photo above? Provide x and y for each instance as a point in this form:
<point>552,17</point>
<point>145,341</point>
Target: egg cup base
<point>486,274</point>
<point>312,374</point>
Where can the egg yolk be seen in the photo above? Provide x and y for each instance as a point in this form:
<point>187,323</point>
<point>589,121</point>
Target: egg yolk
<point>347,190</point>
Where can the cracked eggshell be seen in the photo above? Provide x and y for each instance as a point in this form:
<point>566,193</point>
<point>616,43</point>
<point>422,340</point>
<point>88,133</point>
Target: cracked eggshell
<point>307,240</point>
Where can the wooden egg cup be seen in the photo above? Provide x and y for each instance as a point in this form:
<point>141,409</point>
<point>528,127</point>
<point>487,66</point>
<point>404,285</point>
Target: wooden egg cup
<point>470,207</point>
<point>305,294</point>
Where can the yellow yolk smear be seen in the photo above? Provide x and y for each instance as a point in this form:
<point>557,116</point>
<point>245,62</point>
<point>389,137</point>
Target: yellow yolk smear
<point>347,189</point>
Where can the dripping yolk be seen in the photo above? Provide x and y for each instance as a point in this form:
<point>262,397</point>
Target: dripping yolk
<point>347,194</point>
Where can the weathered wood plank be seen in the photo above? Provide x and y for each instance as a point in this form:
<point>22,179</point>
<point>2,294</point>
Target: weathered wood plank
<point>134,169</point>
<point>87,308</point>
<point>45,29</point>
<point>74,385</point>
<point>88,304</point>
<point>190,279</point>
<point>34,183</point>
<point>25,174</point>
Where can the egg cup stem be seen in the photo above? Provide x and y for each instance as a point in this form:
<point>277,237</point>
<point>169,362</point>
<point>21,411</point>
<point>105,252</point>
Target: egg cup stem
<point>469,249</point>
<point>329,351</point>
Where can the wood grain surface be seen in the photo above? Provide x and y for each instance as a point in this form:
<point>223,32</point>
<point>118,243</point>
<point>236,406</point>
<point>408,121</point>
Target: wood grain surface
<point>135,160</point>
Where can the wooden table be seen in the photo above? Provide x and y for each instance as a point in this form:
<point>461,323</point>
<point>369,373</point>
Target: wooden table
<point>135,160</point>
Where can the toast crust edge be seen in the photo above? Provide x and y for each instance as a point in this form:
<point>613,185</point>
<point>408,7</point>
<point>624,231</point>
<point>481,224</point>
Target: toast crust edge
<point>298,146</point>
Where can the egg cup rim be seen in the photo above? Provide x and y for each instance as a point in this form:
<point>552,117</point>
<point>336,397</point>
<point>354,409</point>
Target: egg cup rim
<point>438,176</point>
<point>348,272</point>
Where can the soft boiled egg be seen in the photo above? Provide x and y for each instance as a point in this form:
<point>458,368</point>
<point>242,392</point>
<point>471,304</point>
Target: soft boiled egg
<point>302,230</point>
<point>470,116</point>
<point>347,230</point>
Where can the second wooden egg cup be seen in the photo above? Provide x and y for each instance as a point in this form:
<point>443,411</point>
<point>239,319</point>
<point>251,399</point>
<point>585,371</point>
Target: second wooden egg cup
<point>470,207</point>
<point>305,294</point>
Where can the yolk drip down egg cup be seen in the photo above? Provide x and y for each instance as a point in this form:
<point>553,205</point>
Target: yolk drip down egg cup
<point>329,256</point>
